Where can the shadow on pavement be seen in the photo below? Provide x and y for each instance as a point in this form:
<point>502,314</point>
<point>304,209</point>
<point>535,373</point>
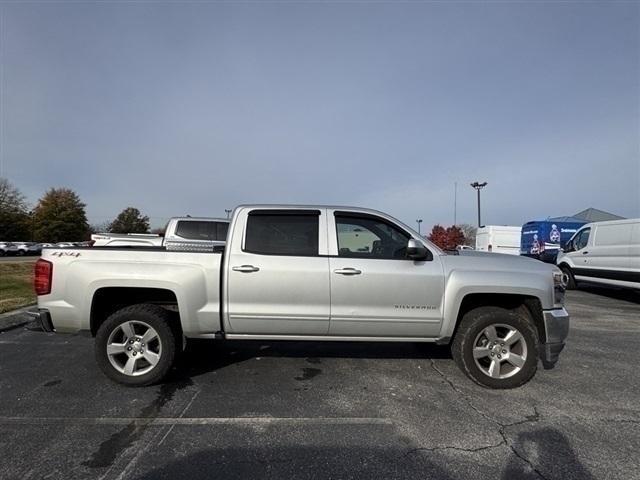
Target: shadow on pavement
<point>298,462</point>
<point>546,446</point>
<point>626,294</point>
<point>203,356</point>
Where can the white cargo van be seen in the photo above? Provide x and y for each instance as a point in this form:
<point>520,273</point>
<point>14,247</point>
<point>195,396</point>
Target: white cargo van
<point>499,239</point>
<point>604,252</point>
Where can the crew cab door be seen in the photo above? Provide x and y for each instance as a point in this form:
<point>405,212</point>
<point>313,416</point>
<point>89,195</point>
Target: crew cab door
<point>276,281</point>
<point>375,289</point>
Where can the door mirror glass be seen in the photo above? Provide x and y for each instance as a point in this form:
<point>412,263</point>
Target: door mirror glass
<point>415,250</point>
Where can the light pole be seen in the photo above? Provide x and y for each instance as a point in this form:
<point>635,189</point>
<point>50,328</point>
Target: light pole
<point>479,186</point>
<point>227,211</point>
<point>419,221</point>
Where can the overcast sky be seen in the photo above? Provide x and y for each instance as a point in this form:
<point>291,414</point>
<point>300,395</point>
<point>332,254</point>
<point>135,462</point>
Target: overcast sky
<point>194,108</point>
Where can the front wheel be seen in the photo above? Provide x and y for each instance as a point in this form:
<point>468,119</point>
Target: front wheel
<point>136,346</point>
<point>571,280</point>
<point>496,347</point>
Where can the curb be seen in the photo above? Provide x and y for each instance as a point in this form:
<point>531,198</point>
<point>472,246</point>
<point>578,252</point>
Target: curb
<point>15,318</point>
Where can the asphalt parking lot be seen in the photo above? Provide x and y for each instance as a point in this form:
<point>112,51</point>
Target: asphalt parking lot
<point>313,410</point>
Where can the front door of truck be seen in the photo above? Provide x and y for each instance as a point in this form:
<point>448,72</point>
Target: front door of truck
<point>277,282</point>
<point>375,289</point>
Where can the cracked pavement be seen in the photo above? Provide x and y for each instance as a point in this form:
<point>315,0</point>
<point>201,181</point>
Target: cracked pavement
<point>327,410</point>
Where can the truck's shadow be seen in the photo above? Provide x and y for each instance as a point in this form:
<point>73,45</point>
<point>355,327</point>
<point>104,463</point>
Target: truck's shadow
<point>203,356</point>
<point>534,454</point>
<point>625,294</point>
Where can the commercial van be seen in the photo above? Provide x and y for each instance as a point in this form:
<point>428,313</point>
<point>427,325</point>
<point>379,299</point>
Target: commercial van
<point>542,239</point>
<point>604,252</point>
<point>498,239</point>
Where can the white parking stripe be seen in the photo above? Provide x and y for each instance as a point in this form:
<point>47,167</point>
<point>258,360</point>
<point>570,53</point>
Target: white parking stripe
<point>161,421</point>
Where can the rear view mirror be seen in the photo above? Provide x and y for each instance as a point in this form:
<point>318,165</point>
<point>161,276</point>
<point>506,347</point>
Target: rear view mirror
<point>415,250</point>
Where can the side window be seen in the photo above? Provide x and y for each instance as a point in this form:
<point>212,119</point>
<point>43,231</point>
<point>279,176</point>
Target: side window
<point>282,233</point>
<point>196,230</point>
<point>222,229</point>
<point>581,240</point>
<point>369,237</point>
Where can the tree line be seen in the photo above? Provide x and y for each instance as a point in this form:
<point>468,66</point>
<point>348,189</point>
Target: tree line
<point>59,215</point>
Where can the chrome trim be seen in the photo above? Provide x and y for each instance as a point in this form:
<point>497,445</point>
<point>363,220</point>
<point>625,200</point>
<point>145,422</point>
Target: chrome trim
<point>42,318</point>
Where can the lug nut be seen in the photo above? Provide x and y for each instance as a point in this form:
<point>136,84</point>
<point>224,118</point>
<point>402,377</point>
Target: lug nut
<point>499,356</point>
<point>502,344</point>
<point>492,354</point>
<point>134,354</point>
<point>504,351</point>
<point>129,348</point>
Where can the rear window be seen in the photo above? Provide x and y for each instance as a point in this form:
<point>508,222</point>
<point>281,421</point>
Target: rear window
<point>287,233</point>
<point>202,230</point>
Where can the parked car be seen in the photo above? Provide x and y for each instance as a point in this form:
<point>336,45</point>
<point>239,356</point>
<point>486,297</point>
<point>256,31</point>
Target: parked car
<point>28,248</point>
<point>8,248</point>
<point>498,239</point>
<point>197,233</point>
<point>307,273</point>
<point>604,252</point>
<point>65,244</point>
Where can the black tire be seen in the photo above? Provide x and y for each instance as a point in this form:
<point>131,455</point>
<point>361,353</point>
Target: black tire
<point>473,324</point>
<point>571,280</point>
<point>157,318</point>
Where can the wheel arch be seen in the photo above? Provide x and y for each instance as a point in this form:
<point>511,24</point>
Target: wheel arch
<point>107,300</point>
<point>528,305</point>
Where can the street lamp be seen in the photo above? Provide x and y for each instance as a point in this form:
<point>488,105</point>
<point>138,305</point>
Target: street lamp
<point>227,211</point>
<point>419,221</point>
<point>479,186</point>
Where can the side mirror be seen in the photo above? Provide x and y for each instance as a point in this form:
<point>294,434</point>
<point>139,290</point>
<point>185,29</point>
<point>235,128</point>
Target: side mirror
<point>416,251</point>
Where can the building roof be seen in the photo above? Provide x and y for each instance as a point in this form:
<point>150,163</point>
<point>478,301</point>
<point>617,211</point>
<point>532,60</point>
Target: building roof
<point>595,215</point>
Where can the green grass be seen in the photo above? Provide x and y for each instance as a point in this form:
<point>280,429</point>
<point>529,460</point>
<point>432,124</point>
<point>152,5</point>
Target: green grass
<point>16,285</point>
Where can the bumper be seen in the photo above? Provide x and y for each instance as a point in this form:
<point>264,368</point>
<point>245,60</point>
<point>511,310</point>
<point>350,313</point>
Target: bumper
<point>42,319</point>
<point>556,327</point>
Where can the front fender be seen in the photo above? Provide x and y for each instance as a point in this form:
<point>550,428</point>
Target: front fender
<point>459,284</point>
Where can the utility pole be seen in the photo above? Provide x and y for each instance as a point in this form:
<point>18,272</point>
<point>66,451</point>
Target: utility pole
<point>479,186</point>
<point>419,222</point>
<point>228,212</point>
<point>455,203</point>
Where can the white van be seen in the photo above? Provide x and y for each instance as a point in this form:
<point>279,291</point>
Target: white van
<point>498,239</point>
<point>604,252</point>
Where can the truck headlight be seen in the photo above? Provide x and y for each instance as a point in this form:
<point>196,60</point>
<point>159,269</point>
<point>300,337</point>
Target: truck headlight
<point>560,281</point>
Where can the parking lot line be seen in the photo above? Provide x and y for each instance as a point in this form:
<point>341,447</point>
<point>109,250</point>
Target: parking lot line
<point>161,421</point>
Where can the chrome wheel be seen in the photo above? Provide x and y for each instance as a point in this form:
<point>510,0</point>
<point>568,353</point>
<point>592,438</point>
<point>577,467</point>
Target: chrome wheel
<point>500,351</point>
<point>134,348</point>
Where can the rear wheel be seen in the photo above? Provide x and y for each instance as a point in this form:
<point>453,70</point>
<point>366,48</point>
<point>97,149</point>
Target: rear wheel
<point>571,280</point>
<point>136,346</point>
<point>496,347</point>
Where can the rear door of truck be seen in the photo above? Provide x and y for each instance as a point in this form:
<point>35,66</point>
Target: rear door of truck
<point>277,272</point>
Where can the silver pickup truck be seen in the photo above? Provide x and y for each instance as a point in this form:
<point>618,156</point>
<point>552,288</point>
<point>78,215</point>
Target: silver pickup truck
<point>194,233</point>
<point>316,273</point>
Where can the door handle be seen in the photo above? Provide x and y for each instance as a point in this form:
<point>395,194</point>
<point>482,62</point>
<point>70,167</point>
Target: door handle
<point>347,271</point>
<point>584,253</point>
<point>245,268</point>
